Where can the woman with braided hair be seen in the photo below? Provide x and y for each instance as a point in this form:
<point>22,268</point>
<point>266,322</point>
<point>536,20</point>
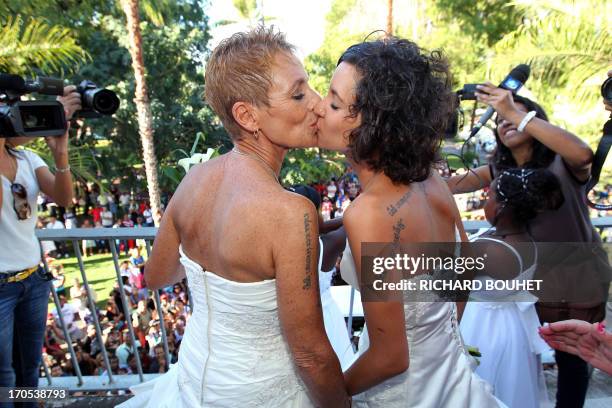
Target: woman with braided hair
<point>503,324</point>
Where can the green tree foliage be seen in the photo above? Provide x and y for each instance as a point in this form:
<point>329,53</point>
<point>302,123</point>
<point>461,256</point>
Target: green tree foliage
<point>486,21</point>
<point>175,37</point>
<point>567,44</point>
<point>33,45</point>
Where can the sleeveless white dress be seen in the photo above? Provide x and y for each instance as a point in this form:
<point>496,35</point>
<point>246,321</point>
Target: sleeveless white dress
<point>440,372</point>
<point>335,326</point>
<point>504,326</point>
<point>233,353</point>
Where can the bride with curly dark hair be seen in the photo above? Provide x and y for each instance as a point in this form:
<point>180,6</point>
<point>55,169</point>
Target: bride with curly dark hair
<point>388,105</point>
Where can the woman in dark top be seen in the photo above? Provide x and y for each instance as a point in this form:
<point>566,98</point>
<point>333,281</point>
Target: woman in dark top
<point>528,140</point>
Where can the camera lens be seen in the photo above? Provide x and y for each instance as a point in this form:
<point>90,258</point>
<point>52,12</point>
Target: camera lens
<point>606,89</point>
<point>105,102</point>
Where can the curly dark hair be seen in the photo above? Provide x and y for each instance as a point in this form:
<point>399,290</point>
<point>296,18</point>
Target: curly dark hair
<point>528,192</point>
<point>541,156</point>
<point>405,101</point>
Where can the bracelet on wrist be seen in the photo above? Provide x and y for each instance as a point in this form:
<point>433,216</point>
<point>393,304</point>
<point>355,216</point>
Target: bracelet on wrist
<point>62,170</point>
<point>526,119</point>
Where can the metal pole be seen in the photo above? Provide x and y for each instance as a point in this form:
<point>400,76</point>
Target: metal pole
<point>47,372</point>
<point>349,325</point>
<point>92,307</point>
<point>75,363</point>
<point>126,308</point>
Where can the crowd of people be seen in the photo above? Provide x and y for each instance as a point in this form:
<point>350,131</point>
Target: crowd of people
<point>146,321</point>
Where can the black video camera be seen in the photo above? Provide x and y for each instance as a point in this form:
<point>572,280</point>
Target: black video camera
<point>46,118</point>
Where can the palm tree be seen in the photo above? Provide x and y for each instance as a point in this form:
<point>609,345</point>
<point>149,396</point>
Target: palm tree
<point>33,44</point>
<point>566,42</point>
<point>389,17</point>
<point>145,119</point>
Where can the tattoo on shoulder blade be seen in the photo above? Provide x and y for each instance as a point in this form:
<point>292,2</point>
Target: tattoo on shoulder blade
<point>394,208</point>
<point>397,230</point>
<point>307,278</point>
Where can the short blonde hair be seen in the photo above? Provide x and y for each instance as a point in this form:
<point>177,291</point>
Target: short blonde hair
<point>239,69</point>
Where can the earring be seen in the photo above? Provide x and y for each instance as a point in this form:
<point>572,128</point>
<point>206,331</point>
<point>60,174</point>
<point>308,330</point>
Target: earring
<point>256,134</point>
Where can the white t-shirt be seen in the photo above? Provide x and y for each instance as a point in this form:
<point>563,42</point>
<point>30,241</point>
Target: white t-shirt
<point>148,216</point>
<point>124,199</point>
<point>55,225</point>
<point>107,218</point>
<point>331,190</point>
<point>69,311</point>
<point>70,220</point>
<point>19,248</point>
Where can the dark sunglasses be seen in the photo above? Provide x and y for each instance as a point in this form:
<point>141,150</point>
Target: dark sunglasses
<point>20,202</point>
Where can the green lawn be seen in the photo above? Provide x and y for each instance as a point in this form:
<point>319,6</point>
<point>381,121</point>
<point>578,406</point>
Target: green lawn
<point>454,162</point>
<point>100,273</point>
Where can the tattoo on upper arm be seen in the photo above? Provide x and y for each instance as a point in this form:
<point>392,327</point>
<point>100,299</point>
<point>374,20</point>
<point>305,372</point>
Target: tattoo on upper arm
<point>308,277</point>
<point>394,208</point>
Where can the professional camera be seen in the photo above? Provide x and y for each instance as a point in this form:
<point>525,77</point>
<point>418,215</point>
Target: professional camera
<point>46,118</point>
<point>95,101</point>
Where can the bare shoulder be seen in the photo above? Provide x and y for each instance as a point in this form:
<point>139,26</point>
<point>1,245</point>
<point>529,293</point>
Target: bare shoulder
<point>288,207</point>
<point>201,171</point>
<point>366,217</point>
<point>501,263</point>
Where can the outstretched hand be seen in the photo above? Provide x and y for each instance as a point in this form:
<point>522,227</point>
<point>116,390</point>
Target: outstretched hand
<point>588,341</point>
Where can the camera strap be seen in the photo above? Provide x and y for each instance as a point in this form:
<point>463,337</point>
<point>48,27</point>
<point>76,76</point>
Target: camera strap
<point>598,161</point>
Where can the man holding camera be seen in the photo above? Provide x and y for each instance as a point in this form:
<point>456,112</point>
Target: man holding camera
<point>24,286</point>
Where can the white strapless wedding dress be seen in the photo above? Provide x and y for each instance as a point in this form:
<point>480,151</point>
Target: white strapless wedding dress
<point>233,353</point>
<point>440,372</point>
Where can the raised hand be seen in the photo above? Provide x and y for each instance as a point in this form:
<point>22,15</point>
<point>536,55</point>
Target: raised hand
<point>71,101</point>
<point>501,100</point>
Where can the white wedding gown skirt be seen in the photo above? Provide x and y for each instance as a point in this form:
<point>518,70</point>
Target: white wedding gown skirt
<point>510,359</point>
<point>504,326</point>
<point>233,353</point>
<point>440,372</point>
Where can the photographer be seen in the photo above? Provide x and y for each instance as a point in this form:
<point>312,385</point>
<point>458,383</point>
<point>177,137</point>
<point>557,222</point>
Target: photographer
<point>525,139</point>
<point>24,286</point>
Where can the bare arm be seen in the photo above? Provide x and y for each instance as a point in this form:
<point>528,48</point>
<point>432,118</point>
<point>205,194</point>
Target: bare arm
<point>297,284</point>
<point>57,186</point>
<point>473,180</point>
<point>575,152</point>
<point>163,266</point>
<point>333,245</point>
<point>330,225</point>
<point>387,355</point>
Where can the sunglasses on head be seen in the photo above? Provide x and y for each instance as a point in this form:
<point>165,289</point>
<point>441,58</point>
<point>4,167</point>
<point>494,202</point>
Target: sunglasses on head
<point>20,201</point>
